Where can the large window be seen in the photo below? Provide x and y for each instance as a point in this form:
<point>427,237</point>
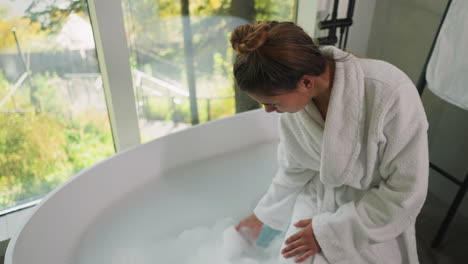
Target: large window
<point>53,115</point>
<point>181,58</point>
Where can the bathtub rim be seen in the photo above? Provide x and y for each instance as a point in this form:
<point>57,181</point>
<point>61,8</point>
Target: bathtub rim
<point>271,135</point>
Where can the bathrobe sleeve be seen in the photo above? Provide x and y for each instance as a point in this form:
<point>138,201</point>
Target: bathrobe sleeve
<point>276,206</point>
<point>390,208</point>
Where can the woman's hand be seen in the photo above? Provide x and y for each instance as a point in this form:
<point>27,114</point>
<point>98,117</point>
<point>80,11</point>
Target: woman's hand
<point>302,243</point>
<point>250,226</point>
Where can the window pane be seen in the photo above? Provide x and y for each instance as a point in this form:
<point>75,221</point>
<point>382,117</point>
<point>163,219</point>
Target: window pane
<point>53,116</point>
<point>182,64</point>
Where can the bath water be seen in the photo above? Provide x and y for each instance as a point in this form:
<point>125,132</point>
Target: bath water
<point>199,245</point>
<point>180,217</point>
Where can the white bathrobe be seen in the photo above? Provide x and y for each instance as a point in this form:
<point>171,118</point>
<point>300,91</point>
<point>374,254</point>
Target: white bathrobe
<point>361,175</point>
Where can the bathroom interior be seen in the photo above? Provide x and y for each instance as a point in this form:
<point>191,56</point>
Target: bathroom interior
<point>98,99</point>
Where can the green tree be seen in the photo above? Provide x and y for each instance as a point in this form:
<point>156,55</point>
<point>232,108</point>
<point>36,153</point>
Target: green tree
<point>27,30</point>
<point>53,14</point>
<point>32,156</point>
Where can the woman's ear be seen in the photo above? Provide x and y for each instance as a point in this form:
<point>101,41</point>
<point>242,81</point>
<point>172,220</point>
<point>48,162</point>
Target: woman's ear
<point>306,82</point>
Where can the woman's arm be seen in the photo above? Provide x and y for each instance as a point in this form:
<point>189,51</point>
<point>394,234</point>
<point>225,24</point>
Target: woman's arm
<point>276,206</point>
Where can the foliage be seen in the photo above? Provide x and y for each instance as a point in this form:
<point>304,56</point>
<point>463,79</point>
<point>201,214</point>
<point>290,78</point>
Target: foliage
<point>166,8</point>
<point>274,10</point>
<point>52,14</point>
<point>32,157</point>
<point>37,153</point>
<point>222,107</point>
<point>178,110</point>
<point>50,98</point>
<point>4,85</point>
<point>40,151</point>
<point>88,140</point>
<point>157,108</point>
<point>19,100</point>
<point>26,31</point>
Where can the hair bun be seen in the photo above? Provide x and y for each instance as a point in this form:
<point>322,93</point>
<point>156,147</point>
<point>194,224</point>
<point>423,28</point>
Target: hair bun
<point>247,38</point>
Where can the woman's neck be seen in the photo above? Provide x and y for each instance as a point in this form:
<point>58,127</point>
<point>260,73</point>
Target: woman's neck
<point>325,82</point>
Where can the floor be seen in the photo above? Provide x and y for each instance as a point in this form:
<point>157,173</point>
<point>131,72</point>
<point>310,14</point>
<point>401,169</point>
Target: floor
<point>455,244</point>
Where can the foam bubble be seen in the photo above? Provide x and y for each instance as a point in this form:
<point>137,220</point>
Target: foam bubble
<point>218,244</point>
<point>234,244</point>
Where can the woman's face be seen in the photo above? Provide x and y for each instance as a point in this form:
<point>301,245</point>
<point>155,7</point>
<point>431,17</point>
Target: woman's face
<point>291,101</point>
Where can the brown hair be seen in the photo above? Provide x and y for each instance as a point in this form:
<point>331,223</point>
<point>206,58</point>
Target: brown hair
<point>273,56</point>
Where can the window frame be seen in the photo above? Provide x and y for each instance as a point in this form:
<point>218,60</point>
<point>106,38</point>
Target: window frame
<point>110,38</point>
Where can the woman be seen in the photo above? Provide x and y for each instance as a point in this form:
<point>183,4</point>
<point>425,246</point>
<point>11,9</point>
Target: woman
<point>353,158</point>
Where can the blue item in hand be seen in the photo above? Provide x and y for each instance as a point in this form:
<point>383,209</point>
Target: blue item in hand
<point>267,234</point>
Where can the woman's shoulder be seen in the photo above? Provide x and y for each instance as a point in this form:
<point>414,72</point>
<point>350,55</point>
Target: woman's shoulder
<point>382,72</point>
<point>387,89</point>
<point>384,81</point>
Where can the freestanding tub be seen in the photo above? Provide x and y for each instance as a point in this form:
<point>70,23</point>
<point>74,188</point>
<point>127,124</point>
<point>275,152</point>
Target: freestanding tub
<point>189,178</point>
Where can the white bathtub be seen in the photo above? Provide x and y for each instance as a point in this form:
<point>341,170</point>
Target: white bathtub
<point>193,177</point>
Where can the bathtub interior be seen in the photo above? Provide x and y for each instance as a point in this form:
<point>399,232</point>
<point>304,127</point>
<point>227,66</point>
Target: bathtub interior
<point>194,177</point>
<point>199,194</point>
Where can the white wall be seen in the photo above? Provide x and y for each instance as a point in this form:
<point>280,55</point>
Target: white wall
<point>402,33</point>
<point>403,30</point>
<point>359,32</point>
<point>307,15</point>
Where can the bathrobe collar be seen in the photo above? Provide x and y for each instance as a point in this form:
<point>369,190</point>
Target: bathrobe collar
<point>344,124</point>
